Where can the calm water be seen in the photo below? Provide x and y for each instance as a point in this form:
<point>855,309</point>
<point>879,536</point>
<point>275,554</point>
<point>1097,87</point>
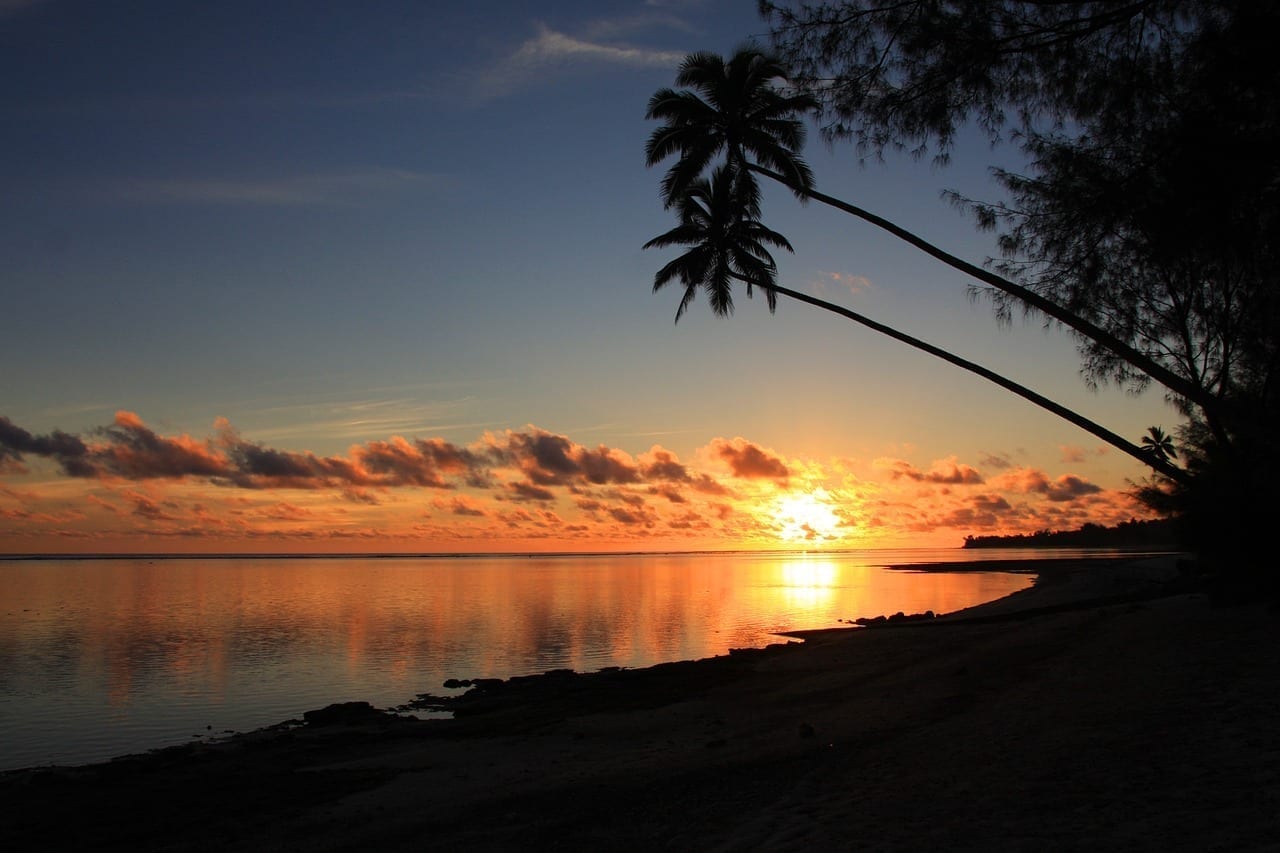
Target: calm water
<point>104,657</point>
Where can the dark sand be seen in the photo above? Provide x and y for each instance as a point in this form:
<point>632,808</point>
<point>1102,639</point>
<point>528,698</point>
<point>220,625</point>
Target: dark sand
<point>1107,707</point>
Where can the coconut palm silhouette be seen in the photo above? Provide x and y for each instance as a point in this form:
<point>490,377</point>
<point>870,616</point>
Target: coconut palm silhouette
<point>725,243</point>
<point>738,113</point>
<point>732,107</point>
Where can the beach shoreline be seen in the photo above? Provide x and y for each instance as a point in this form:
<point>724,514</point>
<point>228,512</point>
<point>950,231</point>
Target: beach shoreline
<point>1108,705</point>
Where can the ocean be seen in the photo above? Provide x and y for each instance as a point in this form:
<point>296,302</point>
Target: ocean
<point>105,657</point>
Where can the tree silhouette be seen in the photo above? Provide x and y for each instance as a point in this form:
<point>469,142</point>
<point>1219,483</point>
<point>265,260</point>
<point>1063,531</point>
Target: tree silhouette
<point>738,112</point>
<point>719,221</point>
<point>719,224</point>
<point>734,108</point>
<point>1149,202</point>
<point>735,111</point>
<point>1157,443</point>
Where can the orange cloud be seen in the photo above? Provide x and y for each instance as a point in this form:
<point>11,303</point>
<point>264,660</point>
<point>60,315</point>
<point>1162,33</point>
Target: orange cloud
<point>461,505</point>
<point>749,460</point>
<point>1029,481</point>
<point>944,472</point>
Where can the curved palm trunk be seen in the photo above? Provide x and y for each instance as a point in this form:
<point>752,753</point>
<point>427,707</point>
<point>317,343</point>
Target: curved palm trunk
<point>1206,401</point>
<point>1119,442</point>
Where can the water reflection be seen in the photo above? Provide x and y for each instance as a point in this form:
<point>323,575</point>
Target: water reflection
<point>809,583</point>
<point>165,649</point>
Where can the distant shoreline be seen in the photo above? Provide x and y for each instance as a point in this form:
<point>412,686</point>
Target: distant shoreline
<point>1149,533</point>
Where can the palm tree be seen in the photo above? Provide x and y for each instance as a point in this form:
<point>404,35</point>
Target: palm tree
<point>719,220</point>
<point>719,223</point>
<point>737,110</point>
<point>1158,443</point>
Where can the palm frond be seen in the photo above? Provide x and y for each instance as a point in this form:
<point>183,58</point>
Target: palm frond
<point>729,107</point>
<point>718,222</point>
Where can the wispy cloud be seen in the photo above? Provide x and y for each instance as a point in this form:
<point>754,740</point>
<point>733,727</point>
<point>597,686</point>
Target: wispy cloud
<point>353,419</point>
<point>675,4</point>
<point>10,7</point>
<point>292,190</point>
<point>550,51</point>
<point>842,283</point>
<point>621,27</point>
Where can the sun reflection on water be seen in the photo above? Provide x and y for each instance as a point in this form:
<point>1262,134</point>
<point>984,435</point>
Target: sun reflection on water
<point>808,582</point>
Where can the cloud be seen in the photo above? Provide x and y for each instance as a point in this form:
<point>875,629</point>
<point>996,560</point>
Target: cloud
<point>843,282</point>
<point>951,472</point>
<point>135,452</point>
<point>530,492</point>
<point>944,472</point>
<point>15,442</point>
<point>1023,480</point>
<point>130,479</point>
<point>127,448</point>
<point>632,516</point>
<point>662,464</point>
<point>550,51</point>
<point>613,28</point>
<point>285,511</point>
<point>897,469</point>
<point>1067,487</point>
<point>360,417</point>
<point>12,7</point>
<point>131,450</point>
<point>461,505</point>
<point>1072,455</point>
<point>689,521</point>
<point>423,462</point>
<point>548,459</point>
<point>149,508</point>
<point>669,493</point>
<point>426,463</point>
<point>982,512</point>
<point>540,462</point>
<point>749,460</point>
<point>997,461</point>
<point>283,191</point>
<point>708,486</point>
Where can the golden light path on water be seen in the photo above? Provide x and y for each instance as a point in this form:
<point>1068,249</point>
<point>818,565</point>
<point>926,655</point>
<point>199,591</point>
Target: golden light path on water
<point>100,657</point>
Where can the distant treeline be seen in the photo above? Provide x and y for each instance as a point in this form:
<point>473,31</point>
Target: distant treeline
<point>1156,533</point>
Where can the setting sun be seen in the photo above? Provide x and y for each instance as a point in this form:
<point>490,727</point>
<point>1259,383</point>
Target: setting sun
<point>806,517</point>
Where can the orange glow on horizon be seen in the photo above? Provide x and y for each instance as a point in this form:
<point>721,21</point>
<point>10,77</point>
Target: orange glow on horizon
<point>135,490</point>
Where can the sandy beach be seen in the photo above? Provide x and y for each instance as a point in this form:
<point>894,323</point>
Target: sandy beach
<point>1109,706</point>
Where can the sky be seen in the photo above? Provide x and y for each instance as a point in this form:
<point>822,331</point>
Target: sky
<point>368,276</point>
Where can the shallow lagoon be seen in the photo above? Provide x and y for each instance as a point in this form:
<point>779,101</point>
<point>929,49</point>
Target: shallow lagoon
<point>104,657</point>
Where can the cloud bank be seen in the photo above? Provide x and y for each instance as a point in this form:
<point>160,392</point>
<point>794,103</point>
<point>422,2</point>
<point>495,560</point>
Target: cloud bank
<point>128,481</point>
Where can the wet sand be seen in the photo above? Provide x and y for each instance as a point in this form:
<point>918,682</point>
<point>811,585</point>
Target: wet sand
<point>1110,706</point>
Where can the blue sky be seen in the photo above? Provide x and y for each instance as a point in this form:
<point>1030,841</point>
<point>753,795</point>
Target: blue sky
<point>332,223</point>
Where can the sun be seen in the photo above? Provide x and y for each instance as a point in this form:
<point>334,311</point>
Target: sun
<point>806,517</point>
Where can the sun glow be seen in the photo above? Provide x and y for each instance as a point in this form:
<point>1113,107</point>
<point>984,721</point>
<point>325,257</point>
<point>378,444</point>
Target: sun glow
<point>806,517</point>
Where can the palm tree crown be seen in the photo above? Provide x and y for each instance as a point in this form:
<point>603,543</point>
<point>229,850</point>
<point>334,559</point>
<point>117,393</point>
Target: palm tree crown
<point>1158,443</point>
<point>732,108</point>
<point>719,222</point>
